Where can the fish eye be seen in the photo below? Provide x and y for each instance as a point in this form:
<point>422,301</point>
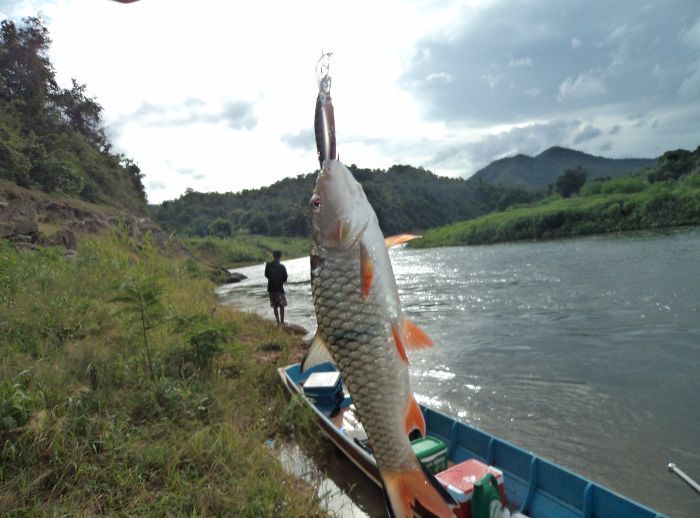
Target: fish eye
<point>316,203</point>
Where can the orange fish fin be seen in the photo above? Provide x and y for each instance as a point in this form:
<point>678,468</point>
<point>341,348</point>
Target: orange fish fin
<point>403,488</point>
<point>399,239</point>
<point>399,345</point>
<point>414,337</point>
<point>414,417</point>
<point>366,270</point>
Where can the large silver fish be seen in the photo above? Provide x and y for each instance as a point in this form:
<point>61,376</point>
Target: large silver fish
<point>361,328</point>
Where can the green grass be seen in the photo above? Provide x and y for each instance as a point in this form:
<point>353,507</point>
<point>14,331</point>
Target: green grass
<point>244,249</point>
<point>621,204</point>
<point>115,404</point>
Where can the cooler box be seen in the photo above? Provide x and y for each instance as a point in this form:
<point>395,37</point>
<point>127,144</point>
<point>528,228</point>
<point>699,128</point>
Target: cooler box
<point>459,481</point>
<point>325,389</point>
<point>432,453</point>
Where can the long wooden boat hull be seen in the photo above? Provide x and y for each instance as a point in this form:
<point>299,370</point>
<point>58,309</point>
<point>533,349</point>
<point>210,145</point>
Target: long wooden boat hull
<point>533,486</point>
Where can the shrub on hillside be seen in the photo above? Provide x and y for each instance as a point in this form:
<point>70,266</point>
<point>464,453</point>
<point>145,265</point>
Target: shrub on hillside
<point>570,182</point>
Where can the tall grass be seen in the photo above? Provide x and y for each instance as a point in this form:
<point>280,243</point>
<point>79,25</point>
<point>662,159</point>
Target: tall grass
<point>118,405</point>
<point>616,205</point>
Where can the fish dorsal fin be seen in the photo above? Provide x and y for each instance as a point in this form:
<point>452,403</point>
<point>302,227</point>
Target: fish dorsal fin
<point>414,417</point>
<point>318,353</point>
<point>399,239</point>
<point>366,270</point>
<point>397,341</point>
<point>414,337</point>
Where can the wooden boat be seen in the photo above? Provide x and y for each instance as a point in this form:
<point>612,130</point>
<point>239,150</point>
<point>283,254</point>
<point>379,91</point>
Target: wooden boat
<point>533,486</point>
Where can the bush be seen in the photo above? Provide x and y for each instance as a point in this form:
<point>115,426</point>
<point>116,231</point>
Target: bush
<point>14,166</point>
<point>592,188</point>
<point>570,182</point>
<point>220,227</point>
<point>17,403</point>
<point>52,175</point>
<point>624,185</point>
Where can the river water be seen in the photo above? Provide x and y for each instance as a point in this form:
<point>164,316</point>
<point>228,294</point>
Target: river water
<point>584,351</point>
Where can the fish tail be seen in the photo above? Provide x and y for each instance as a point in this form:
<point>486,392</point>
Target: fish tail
<point>402,489</point>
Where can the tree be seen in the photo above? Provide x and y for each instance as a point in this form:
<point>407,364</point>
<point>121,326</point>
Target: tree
<point>259,224</point>
<point>141,300</point>
<point>52,138</point>
<point>672,165</point>
<point>220,227</point>
<point>570,182</point>
<point>26,74</point>
<point>134,174</point>
<point>81,113</point>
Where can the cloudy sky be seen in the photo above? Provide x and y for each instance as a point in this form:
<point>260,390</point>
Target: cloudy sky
<point>219,95</point>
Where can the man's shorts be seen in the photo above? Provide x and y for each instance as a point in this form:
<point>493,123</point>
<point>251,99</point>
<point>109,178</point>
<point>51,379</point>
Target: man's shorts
<point>277,299</point>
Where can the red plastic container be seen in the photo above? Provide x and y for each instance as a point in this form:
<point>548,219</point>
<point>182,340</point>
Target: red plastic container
<point>459,481</point>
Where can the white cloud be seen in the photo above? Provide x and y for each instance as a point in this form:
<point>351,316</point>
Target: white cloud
<point>617,34</point>
<point>692,35</point>
<point>156,185</point>
<point>690,87</point>
<point>587,84</point>
<point>533,92</point>
<point>491,80</point>
<point>235,114</point>
<point>440,77</point>
<point>530,138</point>
<point>588,133</point>
<point>522,62</point>
<point>575,43</point>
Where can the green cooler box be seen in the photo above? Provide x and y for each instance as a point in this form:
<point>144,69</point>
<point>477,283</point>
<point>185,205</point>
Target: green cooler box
<point>432,453</point>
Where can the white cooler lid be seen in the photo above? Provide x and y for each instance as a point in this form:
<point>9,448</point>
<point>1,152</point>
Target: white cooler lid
<point>322,380</point>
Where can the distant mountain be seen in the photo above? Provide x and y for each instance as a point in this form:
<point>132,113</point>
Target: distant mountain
<point>526,172</point>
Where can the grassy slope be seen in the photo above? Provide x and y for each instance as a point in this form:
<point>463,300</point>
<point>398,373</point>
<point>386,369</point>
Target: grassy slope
<point>93,419</point>
<point>656,205</point>
<point>244,248</point>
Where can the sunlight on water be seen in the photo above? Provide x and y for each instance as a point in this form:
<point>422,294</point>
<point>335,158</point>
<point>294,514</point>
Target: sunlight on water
<point>436,374</point>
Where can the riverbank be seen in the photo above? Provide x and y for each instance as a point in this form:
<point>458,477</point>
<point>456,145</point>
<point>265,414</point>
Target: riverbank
<point>219,254</point>
<point>127,389</point>
<point>616,205</point>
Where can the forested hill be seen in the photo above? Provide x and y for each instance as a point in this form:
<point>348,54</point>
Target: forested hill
<point>526,172</point>
<point>51,138</point>
<point>405,199</point>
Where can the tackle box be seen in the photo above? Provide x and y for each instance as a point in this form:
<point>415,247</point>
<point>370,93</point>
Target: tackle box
<point>432,452</point>
<point>459,481</point>
<point>325,389</point>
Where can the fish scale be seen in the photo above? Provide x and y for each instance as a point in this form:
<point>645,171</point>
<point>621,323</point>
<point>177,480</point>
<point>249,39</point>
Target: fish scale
<point>359,339</point>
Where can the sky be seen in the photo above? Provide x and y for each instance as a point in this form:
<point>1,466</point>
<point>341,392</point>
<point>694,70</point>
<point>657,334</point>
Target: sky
<point>217,95</point>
